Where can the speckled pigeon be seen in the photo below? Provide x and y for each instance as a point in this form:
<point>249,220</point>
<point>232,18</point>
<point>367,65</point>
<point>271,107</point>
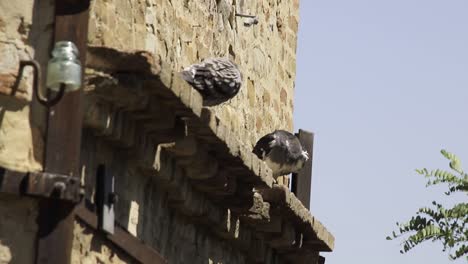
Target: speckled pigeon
<point>282,152</point>
<point>217,79</point>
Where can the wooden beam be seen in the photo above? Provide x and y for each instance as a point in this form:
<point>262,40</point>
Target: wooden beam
<point>65,118</point>
<point>302,181</point>
<point>63,140</point>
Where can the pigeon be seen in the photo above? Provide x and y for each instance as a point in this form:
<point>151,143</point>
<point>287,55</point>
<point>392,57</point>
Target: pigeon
<point>217,79</point>
<point>282,152</point>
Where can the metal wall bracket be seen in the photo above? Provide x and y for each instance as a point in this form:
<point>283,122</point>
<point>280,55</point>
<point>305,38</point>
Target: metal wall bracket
<point>41,184</point>
<point>106,198</point>
<point>42,99</point>
<point>302,181</point>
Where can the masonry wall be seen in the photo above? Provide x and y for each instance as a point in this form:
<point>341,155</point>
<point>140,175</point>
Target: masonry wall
<point>17,229</point>
<point>25,33</point>
<point>180,33</point>
<point>158,205</point>
<point>90,247</point>
<point>183,32</point>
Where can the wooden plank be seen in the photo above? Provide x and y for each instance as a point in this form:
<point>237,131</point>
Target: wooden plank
<point>63,139</point>
<point>65,118</point>
<point>123,240</point>
<point>302,181</point>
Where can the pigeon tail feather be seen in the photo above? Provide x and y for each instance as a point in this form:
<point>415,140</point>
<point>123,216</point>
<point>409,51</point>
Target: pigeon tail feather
<point>187,76</point>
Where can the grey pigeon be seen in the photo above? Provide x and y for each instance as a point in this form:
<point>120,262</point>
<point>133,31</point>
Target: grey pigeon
<point>217,79</point>
<point>282,152</point>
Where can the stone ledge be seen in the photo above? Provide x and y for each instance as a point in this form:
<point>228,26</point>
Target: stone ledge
<point>146,107</point>
<point>280,196</point>
<point>184,102</point>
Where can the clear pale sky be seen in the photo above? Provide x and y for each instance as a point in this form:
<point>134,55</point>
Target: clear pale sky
<point>384,86</point>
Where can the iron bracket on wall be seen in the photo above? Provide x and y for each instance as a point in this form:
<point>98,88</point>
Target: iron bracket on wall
<point>41,184</point>
<point>302,181</point>
<point>42,99</point>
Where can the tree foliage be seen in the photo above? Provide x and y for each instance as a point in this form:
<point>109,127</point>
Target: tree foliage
<point>437,223</point>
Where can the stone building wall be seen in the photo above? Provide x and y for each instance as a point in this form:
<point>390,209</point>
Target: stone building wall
<point>183,32</point>
<point>158,205</point>
<point>179,33</point>
<point>17,229</point>
<point>90,247</point>
<point>25,33</point>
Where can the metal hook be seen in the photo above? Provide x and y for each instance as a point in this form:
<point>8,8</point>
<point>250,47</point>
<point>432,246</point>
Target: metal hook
<point>243,15</point>
<point>37,80</point>
<point>251,19</point>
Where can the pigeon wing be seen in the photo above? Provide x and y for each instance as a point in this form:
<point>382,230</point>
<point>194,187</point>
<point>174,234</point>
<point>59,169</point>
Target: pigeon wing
<point>225,76</point>
<point>217,79</point>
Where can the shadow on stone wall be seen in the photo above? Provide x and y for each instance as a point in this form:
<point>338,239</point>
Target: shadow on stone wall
<point>27,34</point>
<point>17,229</point>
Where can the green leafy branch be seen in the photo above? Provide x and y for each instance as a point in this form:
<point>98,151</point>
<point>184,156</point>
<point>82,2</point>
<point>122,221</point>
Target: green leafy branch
<point>437,223</point>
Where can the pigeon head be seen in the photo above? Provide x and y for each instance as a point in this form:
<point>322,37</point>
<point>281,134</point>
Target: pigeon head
<point>282,151</point>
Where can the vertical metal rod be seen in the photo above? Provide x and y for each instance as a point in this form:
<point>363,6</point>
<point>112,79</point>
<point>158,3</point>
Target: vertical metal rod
<point>321,260</point>
<point>63,140</point>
